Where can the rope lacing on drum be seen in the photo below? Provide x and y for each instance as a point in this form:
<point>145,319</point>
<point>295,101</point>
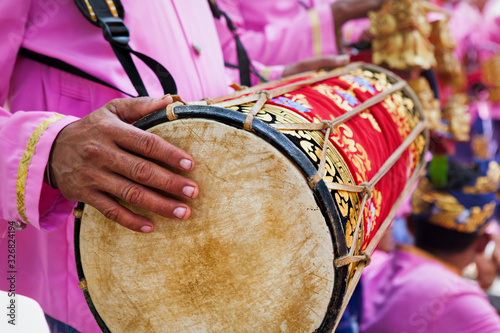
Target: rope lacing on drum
<point>208,101</point>
<point>264,96</point>
<point>364,257</point>
<point>176,101</point>
<point>365,188</point>
<point>82,284</point>
<point>238,99</point>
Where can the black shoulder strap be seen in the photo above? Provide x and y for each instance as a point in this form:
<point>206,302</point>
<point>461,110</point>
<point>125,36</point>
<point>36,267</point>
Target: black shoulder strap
<point>65,67</point>
<point>244,65</point>
<point>108,15</point>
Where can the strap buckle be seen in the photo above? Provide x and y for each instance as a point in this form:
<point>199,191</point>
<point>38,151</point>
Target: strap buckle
<point>114,30</point>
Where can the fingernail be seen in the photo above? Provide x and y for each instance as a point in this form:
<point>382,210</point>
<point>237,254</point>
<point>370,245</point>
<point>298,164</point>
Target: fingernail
<point>161,98</point>
<point>146,228</point>
<point>179,212</point>
<point>188,191</point>
<point>186,164</point>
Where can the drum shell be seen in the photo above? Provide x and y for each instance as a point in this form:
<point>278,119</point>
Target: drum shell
<point>336,221</point>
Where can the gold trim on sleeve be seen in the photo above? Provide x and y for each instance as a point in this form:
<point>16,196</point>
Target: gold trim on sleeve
<point>316,31</point>
<point>22,170</point>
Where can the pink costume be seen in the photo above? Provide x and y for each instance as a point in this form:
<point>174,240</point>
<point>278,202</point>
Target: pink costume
<point>279,32</point>
<point>164,30</point>
<point>412,291</point>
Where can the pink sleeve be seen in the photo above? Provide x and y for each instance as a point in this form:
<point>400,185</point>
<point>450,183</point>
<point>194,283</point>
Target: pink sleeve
<point>470,312</point>
<point>25,137</point>
<point>308,33</point>
<point>25,142</point>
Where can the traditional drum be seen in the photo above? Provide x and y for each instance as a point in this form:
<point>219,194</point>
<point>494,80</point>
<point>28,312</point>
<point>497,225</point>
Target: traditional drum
<point>285,220</point>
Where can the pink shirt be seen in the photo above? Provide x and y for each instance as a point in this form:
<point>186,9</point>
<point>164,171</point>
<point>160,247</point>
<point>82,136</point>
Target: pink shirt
<point>37,94</point>
<point>408,291</point>
<point>279,32</point>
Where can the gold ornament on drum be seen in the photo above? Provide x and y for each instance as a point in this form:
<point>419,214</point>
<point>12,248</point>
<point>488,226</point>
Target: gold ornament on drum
<point>401,35</point>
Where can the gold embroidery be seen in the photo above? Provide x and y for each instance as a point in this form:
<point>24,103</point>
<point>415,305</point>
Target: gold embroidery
<point>329,91</point>
<point>316,30</point>
<point>301,99</point>
<point>22,171</point>
<point>488,183</point>
<point>447,211</point>
<point>368,116</point>
<point>332,93</point>
<point>377,80</point>
<point>343,137</point>
<point>307,146</point>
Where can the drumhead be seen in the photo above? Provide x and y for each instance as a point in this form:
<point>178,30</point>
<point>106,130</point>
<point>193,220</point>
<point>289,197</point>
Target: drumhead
<point>256,255</point>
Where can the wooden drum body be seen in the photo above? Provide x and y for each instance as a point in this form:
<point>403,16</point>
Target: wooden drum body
<point>273,243</point>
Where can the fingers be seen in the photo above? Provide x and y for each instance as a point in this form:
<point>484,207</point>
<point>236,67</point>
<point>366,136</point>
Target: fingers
<point>113,161</point>
<point>138,196</point>
<point>152,146</point>
<point>145,198</point>
<point>142,143</point>
<point>130,110</point>
<point>116,212</point>
<point>150,174</point>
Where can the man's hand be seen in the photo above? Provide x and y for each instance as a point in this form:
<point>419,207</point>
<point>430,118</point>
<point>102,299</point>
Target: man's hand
<point>313,64</point>
<point>102,156</point>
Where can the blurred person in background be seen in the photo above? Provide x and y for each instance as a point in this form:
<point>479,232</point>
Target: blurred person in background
<point>420,288</point>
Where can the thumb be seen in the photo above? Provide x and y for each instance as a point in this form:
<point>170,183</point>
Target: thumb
<point>130,110</point>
